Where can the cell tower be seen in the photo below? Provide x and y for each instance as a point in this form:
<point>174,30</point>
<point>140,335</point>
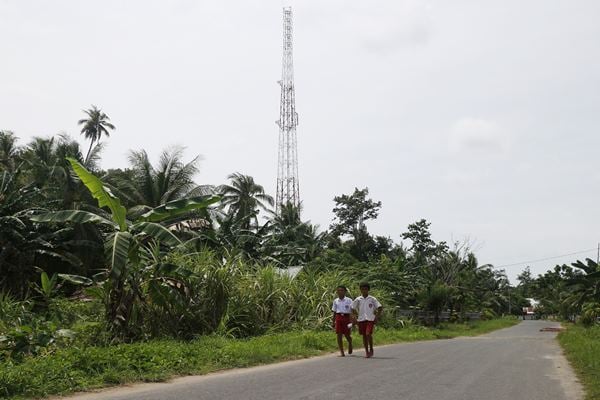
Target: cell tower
<point>288,189</point>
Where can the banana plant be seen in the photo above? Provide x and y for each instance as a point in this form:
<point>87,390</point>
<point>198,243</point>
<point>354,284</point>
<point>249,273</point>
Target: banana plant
<point>128,243</point>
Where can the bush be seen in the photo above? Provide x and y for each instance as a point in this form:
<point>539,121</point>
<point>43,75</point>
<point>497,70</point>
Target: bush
<point>590,312</point>
<point>488,314</point>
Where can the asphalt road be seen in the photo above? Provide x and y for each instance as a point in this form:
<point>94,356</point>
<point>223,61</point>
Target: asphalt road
<point>515,363</point>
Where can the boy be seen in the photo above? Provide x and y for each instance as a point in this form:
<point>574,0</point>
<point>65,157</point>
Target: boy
<point>367,310</point>
<point>342,308</point>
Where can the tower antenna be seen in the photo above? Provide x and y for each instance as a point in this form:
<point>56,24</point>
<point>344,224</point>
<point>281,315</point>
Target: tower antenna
<point>288,188</point>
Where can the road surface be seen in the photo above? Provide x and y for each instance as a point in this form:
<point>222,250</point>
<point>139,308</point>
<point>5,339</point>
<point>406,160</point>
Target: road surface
<point>510,364</point>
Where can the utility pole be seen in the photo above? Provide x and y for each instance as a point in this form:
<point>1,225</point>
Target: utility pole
<point>288,188</point>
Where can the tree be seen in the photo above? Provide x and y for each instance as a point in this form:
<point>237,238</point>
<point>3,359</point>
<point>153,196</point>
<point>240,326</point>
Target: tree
<point>422,246</point>
<point>350,214</point>
<point>47,167</point>
<point>584,285</point>
<point>95,125</point>
<point>244,199</point>
<point>292,241</point>
<point>525,282</point>
<point>130,245</point>
<point>144,186</point>
<point>26,248</point>
<point>9,151</point>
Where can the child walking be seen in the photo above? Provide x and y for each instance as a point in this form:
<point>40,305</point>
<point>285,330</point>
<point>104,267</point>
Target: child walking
<point>366,309</point>
<point>342,309</point>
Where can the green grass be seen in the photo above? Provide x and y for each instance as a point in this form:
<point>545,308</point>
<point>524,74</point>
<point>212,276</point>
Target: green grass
<point>76,369</point>
<point>582,347</point>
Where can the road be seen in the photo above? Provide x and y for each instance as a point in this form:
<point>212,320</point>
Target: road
<point>517,363</point>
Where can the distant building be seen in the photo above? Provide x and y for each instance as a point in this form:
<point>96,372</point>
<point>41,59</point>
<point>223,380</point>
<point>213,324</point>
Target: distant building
<point>529,312</point>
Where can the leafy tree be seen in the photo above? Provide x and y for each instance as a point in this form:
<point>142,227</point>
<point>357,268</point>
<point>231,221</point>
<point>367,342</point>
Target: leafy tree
<point>421,243</point>
<point>525,282</point>
<point>95,125</point>
<point>553,292</point>
<point>350,214</point>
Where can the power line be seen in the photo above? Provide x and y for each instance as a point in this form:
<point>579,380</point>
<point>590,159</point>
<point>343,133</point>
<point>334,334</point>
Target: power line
<point>546,259</point>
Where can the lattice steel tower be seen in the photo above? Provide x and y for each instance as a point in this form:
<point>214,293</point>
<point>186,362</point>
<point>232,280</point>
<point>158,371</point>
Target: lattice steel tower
<point>288,189</point>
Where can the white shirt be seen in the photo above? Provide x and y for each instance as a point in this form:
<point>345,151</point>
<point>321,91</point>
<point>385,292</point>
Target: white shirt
<point>342,306</point>
<point>366,307</point>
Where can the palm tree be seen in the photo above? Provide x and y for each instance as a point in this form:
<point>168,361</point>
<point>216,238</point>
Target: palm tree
<point>96,125</point>
<point>46,162</point>
<point>145,186</point>
<point>244,199</point>
<point>9,151</point>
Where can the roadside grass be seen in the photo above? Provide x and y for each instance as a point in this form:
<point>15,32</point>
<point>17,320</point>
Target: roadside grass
<point>582,348</point>
<point>84,368</point>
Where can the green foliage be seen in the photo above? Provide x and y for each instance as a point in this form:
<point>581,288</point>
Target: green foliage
<point>48,285</point>
<point>101,193</point>
<point>590,314</point>
<point>130,249</point>
<point>350,214</point>
<point>421,243</point>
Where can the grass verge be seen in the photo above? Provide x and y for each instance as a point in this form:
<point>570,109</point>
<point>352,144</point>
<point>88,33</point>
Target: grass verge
<point>582,348</point>
<point>77,369</point>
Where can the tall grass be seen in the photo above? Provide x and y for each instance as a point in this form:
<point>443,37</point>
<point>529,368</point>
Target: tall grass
<point>233,297</point>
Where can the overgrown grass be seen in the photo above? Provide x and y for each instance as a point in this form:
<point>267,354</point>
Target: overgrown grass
<point>582,347</point>
<point>75,369</point>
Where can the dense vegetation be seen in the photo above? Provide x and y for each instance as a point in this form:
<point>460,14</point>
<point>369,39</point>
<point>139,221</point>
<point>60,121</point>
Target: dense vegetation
<point>567,292</point>
<point>164,255</point>
<point>92,257</point>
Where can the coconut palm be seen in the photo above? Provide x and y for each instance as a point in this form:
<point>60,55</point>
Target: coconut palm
<point>144,186</point>
<point>46,163</point>
<point>9,151</point>
<point>244,199</point>
<point>94,126</point>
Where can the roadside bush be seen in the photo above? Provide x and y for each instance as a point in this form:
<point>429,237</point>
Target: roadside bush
<point>488,314</point>
<point>590,313</point>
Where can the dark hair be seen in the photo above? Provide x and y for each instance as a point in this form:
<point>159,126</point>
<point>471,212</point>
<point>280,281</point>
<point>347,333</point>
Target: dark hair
<point>364,285</point>
<point>342,287</point>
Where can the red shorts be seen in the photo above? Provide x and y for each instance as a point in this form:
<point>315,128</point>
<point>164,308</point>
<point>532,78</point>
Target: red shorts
<point>366,327</point>
<point>341,323</point>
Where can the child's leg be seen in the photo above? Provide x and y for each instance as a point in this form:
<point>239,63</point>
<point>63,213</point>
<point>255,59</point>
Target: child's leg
<point>371,343</point>
<point>366,343</point>
<point>349,339</point>
<point>340,343</point>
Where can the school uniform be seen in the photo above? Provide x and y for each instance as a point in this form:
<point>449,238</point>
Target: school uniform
<point>342,309</point>
<point>366,308</point>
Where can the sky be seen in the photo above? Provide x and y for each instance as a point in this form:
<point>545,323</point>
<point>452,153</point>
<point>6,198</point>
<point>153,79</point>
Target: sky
<point>481,117</point>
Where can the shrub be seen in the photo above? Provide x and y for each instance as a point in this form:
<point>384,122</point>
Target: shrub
<point>590,312</point>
